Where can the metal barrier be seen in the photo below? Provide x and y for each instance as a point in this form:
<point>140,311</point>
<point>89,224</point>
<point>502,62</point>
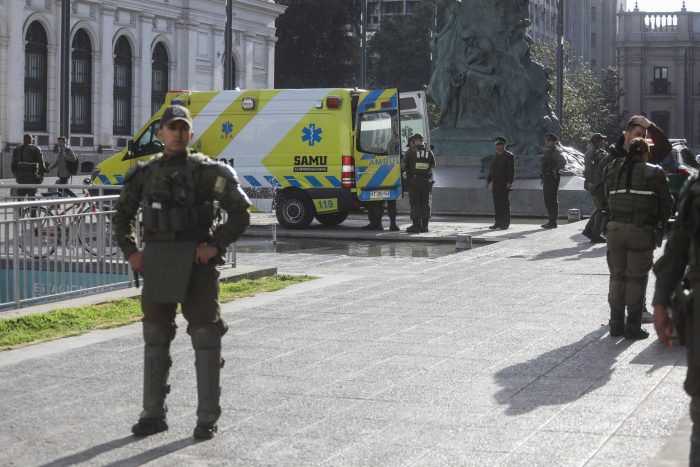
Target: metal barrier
<point>52,247</point>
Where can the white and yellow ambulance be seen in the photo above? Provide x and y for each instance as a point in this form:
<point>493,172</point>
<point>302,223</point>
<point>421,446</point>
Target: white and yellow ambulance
<point>316,152</point>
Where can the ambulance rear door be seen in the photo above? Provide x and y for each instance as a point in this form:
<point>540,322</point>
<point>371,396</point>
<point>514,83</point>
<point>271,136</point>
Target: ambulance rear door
<point>414,117</point>
<point>378,146</point>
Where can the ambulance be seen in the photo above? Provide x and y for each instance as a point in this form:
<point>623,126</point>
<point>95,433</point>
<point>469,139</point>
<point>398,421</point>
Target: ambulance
<point>306,153</point>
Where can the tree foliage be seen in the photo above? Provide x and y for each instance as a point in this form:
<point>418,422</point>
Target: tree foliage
<point>318,44</point>
<point>590,105</point>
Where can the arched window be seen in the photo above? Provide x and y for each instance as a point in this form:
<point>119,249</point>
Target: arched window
<point>35,77</point>
<point>81,84</point>
<point>159,77</point>
<point>122,87</point>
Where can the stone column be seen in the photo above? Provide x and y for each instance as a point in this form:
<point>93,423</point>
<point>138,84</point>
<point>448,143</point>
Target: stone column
<point>143,106</point>
<point>14,110</point>
<point>248,47</point>
<point>271,43</point>
<point>106,100</point>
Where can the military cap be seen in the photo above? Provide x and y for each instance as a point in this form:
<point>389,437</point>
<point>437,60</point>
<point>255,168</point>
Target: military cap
<point>176,113</point>
<point>500,140</point>
<point>551,137</point>
<point>418,136</point>
<point>597,137</point>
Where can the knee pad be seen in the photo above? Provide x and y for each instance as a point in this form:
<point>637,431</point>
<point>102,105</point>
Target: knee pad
<point>157,335</point>
<point>206,337</point>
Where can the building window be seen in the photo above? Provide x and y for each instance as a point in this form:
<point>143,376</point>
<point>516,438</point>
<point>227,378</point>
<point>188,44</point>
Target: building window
<point>660,83</point>
<point>593,13</point>
<point>159,77</point>
<point>122,87</point>
<point>81,84</point>
<point>593,40</point>
<point>662,120</point>
<point>35,78</point>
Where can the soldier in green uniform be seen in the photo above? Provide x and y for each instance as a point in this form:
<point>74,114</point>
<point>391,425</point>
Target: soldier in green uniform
<point>640,203</point>
<point>552,162</point>
<point>593,157</point>
<point>28,166</point>
<point>176,192</point>
<point>501,175</point>
<point>418,162</point>
<point>682,256</point>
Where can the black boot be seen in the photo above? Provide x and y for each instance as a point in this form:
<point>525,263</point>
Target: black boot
<point>415,228</point>
<point>587,233</point>
<point>206,341</point>
<point>424,226</point>
<point>393,227</point>
<point>634,331</point>
<point>617,327</point>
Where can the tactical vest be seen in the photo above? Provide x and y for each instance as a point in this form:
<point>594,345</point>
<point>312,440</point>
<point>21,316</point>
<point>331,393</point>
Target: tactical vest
<point>173,207</point>
<point>420,164</point>
<point>630,200</point>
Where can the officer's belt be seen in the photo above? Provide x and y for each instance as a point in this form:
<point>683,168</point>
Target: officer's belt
<point>633,192</point>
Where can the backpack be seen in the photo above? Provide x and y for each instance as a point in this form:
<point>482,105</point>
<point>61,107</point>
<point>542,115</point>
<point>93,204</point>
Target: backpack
<point>73,166</point>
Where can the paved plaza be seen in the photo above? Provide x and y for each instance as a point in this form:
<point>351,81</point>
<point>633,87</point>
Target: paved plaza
<point>498,355</point>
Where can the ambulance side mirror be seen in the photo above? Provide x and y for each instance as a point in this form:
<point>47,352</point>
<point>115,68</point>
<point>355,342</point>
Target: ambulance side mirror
<point>130,147</point>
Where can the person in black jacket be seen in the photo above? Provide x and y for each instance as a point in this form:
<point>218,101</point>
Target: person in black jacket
<point>501,175</point>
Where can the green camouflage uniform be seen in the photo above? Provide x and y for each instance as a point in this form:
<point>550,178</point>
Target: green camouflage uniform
<point>638,201</point>
<point>682,252</point>
<point>502,173</point>
<point>552,162</point>
<point>176,195</point>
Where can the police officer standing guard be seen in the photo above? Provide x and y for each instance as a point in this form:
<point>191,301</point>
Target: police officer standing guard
<point>176,193</point>
<point>683,251</point>
<point>552,162</point>
<point>418,162</point>
<point>640,203</point>
<point>593,157</point>
<point>501,175</point>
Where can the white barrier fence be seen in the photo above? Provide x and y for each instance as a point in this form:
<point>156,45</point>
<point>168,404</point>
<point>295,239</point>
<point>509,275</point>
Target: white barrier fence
<point>54,247</point>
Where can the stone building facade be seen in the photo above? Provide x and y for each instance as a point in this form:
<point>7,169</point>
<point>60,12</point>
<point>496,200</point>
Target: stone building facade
<point>124,56</point>
<point>659,62</point>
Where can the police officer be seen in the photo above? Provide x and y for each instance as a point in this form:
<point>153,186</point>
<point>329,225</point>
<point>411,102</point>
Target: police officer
<point>501,175</point>
<point>551,163</point>
<point>640,203</point>
<point>176,193</point>
<point>683,251</point>
<point>28,165</point>
<point>418,163</point>
<point>592,158</point>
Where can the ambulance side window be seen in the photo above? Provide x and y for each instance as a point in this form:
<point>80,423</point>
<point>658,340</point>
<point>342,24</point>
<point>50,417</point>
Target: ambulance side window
<point>148,143</point>
<point>378,132</point>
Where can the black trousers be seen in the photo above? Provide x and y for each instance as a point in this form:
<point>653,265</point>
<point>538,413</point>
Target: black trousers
<point>501,204</point>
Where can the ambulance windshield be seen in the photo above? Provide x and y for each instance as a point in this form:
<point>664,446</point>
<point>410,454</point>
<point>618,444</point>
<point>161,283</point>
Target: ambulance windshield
<point>378,132</point>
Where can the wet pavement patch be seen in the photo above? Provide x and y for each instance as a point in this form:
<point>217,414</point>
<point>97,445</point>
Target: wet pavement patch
<point>361,248</point>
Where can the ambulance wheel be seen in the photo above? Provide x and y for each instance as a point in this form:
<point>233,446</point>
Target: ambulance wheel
<point>294,210</point>
<point>332,219</point>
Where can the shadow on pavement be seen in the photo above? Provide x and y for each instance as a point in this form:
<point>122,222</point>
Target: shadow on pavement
<point>153,454</point>
<point>659,356</point>
<point>561,375</point>
<point>579,251</point>
<point>92,452</point>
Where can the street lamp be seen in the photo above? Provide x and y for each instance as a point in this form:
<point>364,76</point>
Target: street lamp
<point>363,47</point>
<point>228,47</point>
<point>560,65</point>
<point>64,93</point>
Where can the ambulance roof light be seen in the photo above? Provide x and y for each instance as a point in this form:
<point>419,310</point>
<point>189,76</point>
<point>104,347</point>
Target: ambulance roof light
<point>248,103</point>
<point>333,102</point>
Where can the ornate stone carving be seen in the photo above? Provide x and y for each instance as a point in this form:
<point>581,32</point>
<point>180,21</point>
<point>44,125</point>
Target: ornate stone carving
<point>485,82</point>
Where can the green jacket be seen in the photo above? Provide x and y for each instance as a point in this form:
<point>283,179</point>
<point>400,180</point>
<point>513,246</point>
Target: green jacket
<point>176,194</point>
<point>592,158</point>
<point>28,153</point>
<point>683,246</point>
<point>551,162</point>
<point>637,193</point>
<point>502,169</point>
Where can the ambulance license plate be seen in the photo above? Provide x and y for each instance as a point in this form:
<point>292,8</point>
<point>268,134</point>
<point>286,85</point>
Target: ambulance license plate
<point>379,194</point>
